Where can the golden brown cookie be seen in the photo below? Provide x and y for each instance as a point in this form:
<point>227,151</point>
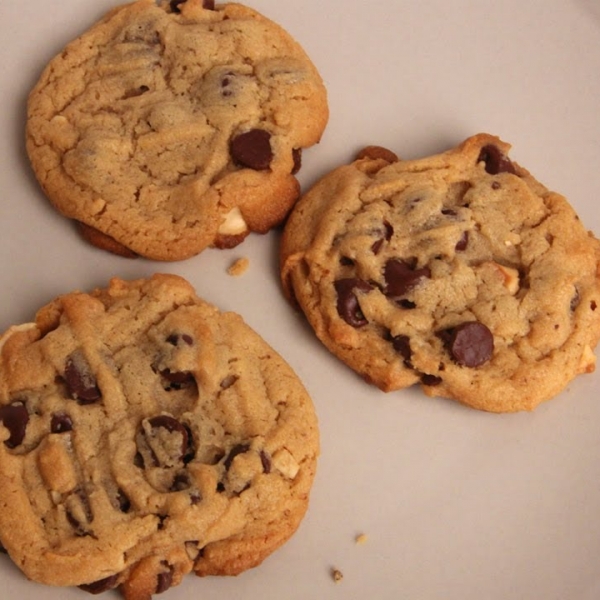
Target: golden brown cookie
<point>459,272</point>
<point>167,129</point>
<point>145,435</point>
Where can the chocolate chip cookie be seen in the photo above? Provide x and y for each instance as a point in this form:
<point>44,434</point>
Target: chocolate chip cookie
<point>459,272</point>
<point>145,435</point>
<point>168,128</point>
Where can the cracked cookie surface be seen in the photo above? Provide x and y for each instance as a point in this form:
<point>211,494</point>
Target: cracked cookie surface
<point>145,435</point>
<point>168,128</point>
<point>459,272</point>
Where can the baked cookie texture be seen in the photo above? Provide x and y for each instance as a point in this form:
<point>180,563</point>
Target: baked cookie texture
<point>459,272</point>
<point>165,129</point>
<point>145,435</point>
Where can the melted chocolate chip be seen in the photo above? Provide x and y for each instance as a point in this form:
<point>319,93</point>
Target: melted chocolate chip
<point>495,161</point>
<point>400,277</point>
<point>347,303</point>
<point>252,149</point>
<point>15,418</point>
<point>102,585</point>
<point>61,423</point>
<point>81,383</point>
<point>386,236</point>
<point>470,344</point>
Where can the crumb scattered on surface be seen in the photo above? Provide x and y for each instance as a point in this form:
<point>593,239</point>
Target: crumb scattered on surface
<point>337,575</point>
<point>361,538</point>
<point>238,267</point>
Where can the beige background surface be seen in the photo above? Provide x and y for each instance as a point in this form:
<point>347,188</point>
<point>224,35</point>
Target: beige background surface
<point>456,504</point>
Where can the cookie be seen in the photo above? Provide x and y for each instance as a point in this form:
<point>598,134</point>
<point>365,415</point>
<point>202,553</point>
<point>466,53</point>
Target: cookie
<point>166,129</point>
<point>145,435</point>
<point>459,272</point>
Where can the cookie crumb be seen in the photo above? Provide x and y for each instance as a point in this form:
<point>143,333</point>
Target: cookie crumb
<point>337,575</point>
<point>238,267</point>
<point>361,538</point>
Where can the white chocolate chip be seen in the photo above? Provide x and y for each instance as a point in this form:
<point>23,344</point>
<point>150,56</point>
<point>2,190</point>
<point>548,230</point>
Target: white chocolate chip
<point>285,463</point>
<point>510,276</point>
<point>234,223</point>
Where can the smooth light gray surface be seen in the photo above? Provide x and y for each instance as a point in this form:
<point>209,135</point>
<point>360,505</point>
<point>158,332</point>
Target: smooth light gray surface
<point>456,504</point>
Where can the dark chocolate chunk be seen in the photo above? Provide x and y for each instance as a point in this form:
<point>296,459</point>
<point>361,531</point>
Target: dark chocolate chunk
<point>252,149</point>
<point>15,418</point>
<point>495,161</point>
<point>470,344</point>
<point>347,303</point>
<point>401,277</point>
<point>80,380</point>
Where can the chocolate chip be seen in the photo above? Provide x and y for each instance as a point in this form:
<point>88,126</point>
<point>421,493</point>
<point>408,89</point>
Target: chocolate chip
<point>401,277</point>
<point>239,449</point>
<point>347,303</point>
<point>471,344</point>
<point>123,501</point>
<point>102,585</point>
<point>208,4</point>
<point>401,344</point>
<point>462,244</point>
<point>575,300</point>
<point>593,305</point>
<point>346,261</point>
<point>407,304</point>
<point>61,423</point>
<point>135,92</point>
<point>81,383</point>
<point>176,380</point>
<point>15,418</point>
<point>252,149</point>
<point>495,161</point>
<point>174,5</point>
<point>265,460</point>
<point>297,157</point>
<point>430,380</point>
<point>180,482</point>
<point>164,580</point>
<point>174,339</point>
